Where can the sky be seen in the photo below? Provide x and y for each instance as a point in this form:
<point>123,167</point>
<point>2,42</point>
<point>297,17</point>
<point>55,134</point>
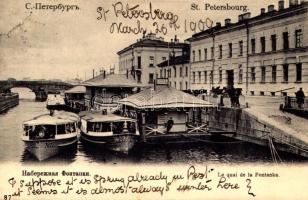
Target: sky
<point>47,44</point>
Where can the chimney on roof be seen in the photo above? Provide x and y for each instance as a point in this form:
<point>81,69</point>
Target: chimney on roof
<point>227,21</point>
<point>271,8</point>
<point>293,3</point>
<point>281,5</point>
<point>104,74</point>
<point>176,39</point>
<point>244,16</point>
<point>218,24</point>
<point>93,73</point>
<point>262,11</point>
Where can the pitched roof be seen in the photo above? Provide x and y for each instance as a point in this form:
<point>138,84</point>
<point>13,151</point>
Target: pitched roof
<point>113,80</point>
<point>60,117</point>
<point>94,116</point>
<point>153,43</point>
<point>76,89</point>
<point>174,61</point>
<point>163,97</point>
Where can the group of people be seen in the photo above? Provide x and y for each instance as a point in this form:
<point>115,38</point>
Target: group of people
<point>300,98</point>
<point>233,93</point>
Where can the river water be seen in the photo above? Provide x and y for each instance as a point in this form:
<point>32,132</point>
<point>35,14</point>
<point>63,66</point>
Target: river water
<point>225,151</point>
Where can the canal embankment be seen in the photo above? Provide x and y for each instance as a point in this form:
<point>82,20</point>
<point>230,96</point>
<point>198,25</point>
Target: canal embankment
<point>268,127</point>
<point>8,100</point>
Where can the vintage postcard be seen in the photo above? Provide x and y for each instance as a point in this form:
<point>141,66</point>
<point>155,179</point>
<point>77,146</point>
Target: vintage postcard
<point>153,99</point>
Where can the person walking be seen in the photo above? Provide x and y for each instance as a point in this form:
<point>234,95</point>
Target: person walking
<point>300,98</point>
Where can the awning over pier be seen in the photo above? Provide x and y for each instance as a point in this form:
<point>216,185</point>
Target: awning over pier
<point>76,90</point>
<point>113,80</point>
<point>163,97</point>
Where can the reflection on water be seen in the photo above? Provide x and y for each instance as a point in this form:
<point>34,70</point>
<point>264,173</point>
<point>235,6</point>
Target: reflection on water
<point>12,147</point>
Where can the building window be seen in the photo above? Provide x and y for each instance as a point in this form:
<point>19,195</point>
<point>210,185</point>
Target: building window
<point>181,88</point>
<point>199,51</point>
<point>262,40</point>
<point>161,73</point>
<point>285,73</point>
<point>205,54</point>
<point>220,51</point>
<point>139,62</point>
<point>205,76</point>
<point>163,58</point>
<point>253,75</point>
<point>274,73</point>
<point>220,75</point>
<point>285,40</point>
<point>240,74</point>
<point>230,50</point>
<point>253,46</point>
<point>263,74</point>
<point>169,73</point>
<point>194,77</point>
<point>298,38</point>
<point>199,76</point>
<point>181,72</point>
<point>165,73</point>
<point>299,72</point>
<point>151,78</point>
<point>212,52</point>
<point>174,71</point>
<point>273,39</point>
<point>186,85</point>
<point>175,84</point>
<point>151,61</point>
<point>211,76</point>
<point>193,56</point>
<point>186,71</point>
<point>240,43</point>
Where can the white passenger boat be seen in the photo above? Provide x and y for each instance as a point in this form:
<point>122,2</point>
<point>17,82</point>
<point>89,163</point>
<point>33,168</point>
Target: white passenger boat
<point>55,102</point>
<point>110,131</point>
<point>46,135</point>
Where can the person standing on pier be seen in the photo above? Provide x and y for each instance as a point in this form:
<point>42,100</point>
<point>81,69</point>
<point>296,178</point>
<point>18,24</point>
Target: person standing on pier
<point>169,124</point>
<point>300,98</point>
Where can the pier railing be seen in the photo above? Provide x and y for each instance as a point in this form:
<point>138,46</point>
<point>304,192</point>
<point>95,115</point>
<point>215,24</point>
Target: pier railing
<point>291,102</point>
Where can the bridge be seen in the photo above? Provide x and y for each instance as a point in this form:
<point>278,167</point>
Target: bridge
<point>40,88</point>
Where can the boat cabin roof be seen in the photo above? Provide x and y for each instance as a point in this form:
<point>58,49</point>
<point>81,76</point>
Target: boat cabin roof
<point>56,119</point>
<point>98,117</point>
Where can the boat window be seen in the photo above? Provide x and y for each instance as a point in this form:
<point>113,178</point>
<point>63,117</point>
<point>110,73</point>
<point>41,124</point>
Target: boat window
<point>60,129</point>
<point>70,128</point>
<point>99,126</point>
<point>27,130</point>
<point>117,127</point>
<point>42,132</point>
<point>131,127</point>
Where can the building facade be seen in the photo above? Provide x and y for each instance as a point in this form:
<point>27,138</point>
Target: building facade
<point>264,55</point>
<point>141,58</point>
<point>177,71</point>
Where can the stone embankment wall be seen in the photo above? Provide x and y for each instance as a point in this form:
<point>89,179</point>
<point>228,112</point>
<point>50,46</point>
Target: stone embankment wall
<point>8,101</point>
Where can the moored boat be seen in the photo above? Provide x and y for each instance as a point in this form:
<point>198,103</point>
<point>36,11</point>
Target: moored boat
<point>46,135</point>
<point>110,131</point>
<point>55,102</point>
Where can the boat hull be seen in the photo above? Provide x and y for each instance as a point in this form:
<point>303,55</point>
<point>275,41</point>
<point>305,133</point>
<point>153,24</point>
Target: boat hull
<point>119,143</point>
<point>43,149</point>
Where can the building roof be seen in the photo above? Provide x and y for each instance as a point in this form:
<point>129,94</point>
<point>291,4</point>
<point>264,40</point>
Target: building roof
<point>261,18</point>
<point>76,90</point>
<point>178,60</point>
<point>94,116</point>
<point>163,97</point>
<point>112,80</point>
<point>153,42</point>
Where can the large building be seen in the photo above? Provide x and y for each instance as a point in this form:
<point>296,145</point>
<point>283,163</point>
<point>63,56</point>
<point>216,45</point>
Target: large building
<point>141,58</point>
<point>264,55</point>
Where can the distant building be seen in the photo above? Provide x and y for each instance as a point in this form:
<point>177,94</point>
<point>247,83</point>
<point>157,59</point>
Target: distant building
<point>264,55</point>
<point>141,58</point>
<point>177,70</point>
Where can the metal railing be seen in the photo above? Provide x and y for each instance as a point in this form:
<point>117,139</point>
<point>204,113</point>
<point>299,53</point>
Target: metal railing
<point>293,102</point>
